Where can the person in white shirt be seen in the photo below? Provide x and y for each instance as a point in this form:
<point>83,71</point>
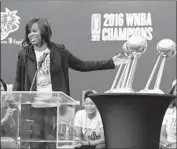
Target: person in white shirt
<point>168,131</point>
<point>88,125</point>
<point>8,123</point>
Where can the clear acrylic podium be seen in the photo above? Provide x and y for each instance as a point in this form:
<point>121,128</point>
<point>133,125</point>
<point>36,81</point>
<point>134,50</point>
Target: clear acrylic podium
<point>28,123</point>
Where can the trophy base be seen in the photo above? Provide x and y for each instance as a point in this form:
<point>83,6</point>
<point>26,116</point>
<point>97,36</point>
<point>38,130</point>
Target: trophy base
<point>153,91</point>
<point>121,90</point>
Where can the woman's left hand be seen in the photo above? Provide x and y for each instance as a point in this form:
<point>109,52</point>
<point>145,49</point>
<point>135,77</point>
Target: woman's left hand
<point>118,60</point>
<point>83,142</point>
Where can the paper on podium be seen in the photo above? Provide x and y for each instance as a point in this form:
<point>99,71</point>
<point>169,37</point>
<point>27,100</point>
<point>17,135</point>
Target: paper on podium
<point>8,142</point>
<point>44,103</point>
<point>9,139</point>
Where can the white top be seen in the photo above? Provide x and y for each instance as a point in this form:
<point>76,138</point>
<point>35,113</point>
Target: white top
<point>170,122</point>
<point>43,75</point>
<point>43,81</point>
<point>91,128</point>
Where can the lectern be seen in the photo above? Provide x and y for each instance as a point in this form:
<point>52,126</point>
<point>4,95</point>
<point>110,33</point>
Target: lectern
<point>132,120</point>
<point>18,130</point>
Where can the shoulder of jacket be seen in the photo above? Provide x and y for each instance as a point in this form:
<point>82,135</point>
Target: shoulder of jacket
<point>22,51</point>
<point>59,46</point>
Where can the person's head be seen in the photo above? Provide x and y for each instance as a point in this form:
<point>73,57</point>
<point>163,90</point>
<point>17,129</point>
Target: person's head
<point>90,106</point>
<point>173,92</point>
<point>3,85</point>
<point>37,32</point>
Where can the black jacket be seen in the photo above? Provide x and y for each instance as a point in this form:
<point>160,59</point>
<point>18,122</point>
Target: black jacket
<point>60,60</point>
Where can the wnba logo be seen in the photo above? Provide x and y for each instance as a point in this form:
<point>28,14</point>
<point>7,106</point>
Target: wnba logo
<point>96,27</point>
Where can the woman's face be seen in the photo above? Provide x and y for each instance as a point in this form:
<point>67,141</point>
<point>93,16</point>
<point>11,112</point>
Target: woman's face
<point>90,106</point>
<point>34,35</point>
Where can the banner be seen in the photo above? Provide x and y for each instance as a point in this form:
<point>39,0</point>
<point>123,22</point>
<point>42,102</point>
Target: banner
<point>119,26</point>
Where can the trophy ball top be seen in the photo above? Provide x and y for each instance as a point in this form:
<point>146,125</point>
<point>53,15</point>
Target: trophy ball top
<point>167,48</point>
<point>137,44</point>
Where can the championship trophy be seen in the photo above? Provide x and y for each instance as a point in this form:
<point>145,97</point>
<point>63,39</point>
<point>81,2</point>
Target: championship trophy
<point>131,51</point>
<point>166,48</point>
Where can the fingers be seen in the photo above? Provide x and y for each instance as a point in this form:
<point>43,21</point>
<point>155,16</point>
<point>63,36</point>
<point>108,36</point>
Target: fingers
<point>118,55</point>
<point>11,111</point>
<point>84,142</point>
<point>78,145</point>
<point>120,61</point>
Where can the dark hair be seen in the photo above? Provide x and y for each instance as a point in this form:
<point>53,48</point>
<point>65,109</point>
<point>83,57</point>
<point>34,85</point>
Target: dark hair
<point>44,27</point>
<point>88,92</point>
<point>4,85</point>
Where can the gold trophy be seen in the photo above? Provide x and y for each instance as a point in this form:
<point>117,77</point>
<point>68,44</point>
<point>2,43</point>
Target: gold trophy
<point>166,48</point>
<point>131,50</point>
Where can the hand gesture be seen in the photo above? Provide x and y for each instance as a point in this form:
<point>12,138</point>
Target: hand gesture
<point>119,59</point>
<point>9,112</point>
<point>83,142</point>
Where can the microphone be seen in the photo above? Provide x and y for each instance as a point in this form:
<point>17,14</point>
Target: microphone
<point>41,60</point>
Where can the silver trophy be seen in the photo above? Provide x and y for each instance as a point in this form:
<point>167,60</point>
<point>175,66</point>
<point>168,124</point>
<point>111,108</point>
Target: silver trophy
<point>131,50</point>
<point>166,48</point>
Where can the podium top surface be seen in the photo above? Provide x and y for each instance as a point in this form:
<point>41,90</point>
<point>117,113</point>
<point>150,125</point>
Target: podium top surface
<point>39,99</point>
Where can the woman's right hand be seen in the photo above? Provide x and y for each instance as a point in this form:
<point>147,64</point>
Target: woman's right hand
<point>77,143</point>
<point>9,112</point>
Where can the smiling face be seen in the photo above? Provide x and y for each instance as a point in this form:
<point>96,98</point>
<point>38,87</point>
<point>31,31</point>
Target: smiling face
<point>34,35</point>
<point>90,106</point>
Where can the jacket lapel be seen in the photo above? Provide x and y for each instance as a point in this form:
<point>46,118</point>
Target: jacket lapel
<point>52,54</point>
<point>32,65</point>
<point>55,65</point>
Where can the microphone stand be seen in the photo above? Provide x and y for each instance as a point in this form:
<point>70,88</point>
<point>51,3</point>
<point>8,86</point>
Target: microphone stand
<point>40,65</point>
<point>34,78</point>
